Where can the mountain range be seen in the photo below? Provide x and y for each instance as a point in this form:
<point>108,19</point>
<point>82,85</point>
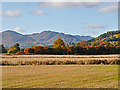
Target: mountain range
<point>44,38</point>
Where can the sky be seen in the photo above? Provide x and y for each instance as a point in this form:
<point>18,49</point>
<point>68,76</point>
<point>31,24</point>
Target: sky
<point>76,18</point>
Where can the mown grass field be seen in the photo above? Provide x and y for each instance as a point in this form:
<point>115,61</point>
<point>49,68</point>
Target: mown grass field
<point>71,75</point>
<point>60,76</point>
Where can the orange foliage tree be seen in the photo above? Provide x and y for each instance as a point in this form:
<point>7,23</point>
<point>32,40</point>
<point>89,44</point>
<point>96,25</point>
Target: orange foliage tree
<point>58,43</point>
<point>83,43</point>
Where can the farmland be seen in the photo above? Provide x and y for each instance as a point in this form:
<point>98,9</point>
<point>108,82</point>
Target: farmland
<point>58,59</point>
<point>63,76</point>
<point>69,75</point>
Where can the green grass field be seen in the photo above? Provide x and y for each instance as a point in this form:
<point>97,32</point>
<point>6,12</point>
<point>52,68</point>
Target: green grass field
<point>60,76</point>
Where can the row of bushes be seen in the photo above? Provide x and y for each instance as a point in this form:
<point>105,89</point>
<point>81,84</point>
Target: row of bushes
<point>72,50</point>
<point>60,49</point>
<point>58,62</point>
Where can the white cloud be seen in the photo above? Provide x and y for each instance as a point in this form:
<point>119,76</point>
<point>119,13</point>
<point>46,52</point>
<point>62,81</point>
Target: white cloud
<point>94,26</point>
<point>11,13</point>
<point>18,29</point>
<point>62,4</point>
<point>89,4</point>
<point>109,8</point>
<point>39,12</point>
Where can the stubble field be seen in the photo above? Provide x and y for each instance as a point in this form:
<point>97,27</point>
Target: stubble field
<point>59,76</point>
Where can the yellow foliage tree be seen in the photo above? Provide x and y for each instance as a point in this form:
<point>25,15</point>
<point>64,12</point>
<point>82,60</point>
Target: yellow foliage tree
<point>14,49</point>
<point>58,43</point>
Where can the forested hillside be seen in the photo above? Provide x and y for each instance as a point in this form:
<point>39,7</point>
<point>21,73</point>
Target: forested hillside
<point>109,38</point>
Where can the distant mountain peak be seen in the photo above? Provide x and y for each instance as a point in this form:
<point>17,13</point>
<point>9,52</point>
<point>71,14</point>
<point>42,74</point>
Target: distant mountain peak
<point>10,31</point>
<point>44,38</point>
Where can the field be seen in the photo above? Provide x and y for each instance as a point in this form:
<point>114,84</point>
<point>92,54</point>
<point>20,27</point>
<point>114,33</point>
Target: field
<point>58,59</point>
<point>63,76</point>
<point>59,76</point>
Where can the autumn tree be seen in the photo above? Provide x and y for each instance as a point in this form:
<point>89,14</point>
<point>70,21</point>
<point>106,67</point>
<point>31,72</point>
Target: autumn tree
<point>31,50</point>
<point>22,50</point>
<point>38,49</point>
<point>83,43</point>
<point>78,44</point>
<point>16,46</point>
<point>14,49</point>
<point>58,43</point>
<point>26,50</point>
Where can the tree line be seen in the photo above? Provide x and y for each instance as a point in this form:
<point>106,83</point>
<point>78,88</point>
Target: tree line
<point>59,48</point>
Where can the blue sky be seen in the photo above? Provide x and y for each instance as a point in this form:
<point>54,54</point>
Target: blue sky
<point>70,18</point>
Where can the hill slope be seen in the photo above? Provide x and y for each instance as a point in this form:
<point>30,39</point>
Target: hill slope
<point>111,37</point>
<point>48,37</point>
<point>9,38</point>
<point>45,38</point>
